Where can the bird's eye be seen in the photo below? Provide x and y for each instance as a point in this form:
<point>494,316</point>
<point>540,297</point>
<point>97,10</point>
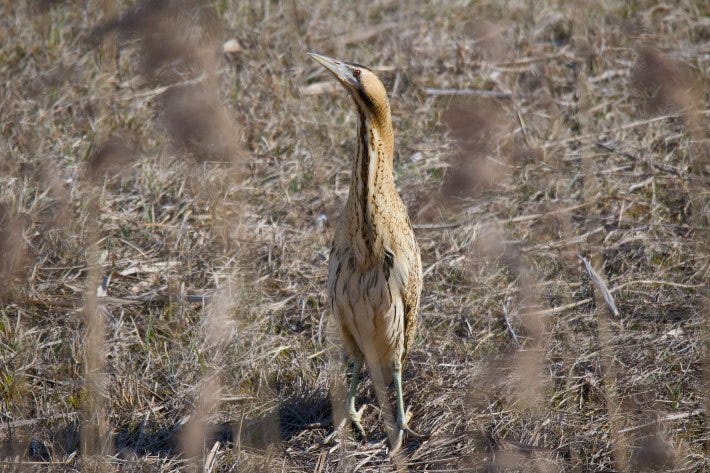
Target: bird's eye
<point>356,72</point>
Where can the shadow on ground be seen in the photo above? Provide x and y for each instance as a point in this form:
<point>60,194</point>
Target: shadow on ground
<point>294,415</point>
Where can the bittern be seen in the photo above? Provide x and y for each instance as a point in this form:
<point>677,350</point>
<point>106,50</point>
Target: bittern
<point>374,269</point>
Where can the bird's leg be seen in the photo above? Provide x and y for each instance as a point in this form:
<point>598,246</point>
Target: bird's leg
<point>352,413</point>
<point>401,416</point>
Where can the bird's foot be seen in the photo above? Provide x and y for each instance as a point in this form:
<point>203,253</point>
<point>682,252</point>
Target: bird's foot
<point>355,418</point>
<point>400,430</point>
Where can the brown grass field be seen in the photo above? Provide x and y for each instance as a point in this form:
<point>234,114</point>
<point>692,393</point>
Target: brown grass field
<point>170,175</point>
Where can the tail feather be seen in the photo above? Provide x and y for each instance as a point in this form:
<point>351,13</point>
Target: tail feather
<point>386,375</point>
<point>379,372</point>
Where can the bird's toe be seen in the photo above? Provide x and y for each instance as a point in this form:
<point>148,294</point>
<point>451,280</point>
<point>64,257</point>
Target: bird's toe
<point>356,419</point>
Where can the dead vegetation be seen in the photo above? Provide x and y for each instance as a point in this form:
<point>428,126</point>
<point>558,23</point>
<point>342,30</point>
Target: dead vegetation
<point>167,206</point>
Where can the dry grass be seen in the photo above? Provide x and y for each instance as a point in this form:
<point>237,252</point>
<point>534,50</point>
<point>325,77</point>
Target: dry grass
<point>166,212</point>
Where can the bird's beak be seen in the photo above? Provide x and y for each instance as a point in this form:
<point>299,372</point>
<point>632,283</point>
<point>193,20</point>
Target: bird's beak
<point>338,68</point>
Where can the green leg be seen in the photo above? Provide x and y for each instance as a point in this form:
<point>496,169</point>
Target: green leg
<point>401,421</point>
<point>401,427</point>
<point>397,378</point>
<point>352,413</point>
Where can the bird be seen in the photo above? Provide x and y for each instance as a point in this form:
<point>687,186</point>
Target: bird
<point>374,269</point>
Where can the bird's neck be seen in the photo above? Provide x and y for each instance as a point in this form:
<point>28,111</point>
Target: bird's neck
<point>372,168</point>
<point>372,184</point>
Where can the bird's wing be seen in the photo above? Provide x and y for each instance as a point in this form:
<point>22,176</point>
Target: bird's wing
<point>411,300</point>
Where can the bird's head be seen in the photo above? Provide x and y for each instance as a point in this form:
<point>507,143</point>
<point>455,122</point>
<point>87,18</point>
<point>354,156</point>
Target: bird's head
<point>365,88</point>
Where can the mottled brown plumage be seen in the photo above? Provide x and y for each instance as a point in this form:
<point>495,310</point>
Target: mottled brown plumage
<point>374,276</point>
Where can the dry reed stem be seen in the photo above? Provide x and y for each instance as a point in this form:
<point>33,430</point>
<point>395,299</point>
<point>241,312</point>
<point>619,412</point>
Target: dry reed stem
<point>96,438</point>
